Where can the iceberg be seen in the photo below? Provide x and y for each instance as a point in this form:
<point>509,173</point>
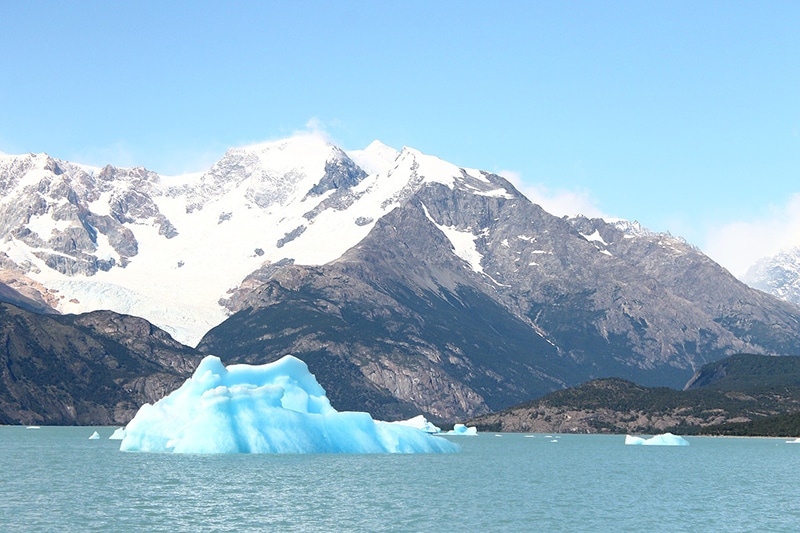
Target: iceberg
<point>461,429</point>
<point>278,407</point>
<point>94,436</point>
<point>665,439</point>
<point>795,441</point>
<point>420,422</point>
<point>118,434</point>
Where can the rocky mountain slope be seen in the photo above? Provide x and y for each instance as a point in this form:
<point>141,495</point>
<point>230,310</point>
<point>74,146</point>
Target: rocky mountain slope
<point>468,298</point>
<point>406,283</point>
<point>738,389</point>
<point>96,368</point>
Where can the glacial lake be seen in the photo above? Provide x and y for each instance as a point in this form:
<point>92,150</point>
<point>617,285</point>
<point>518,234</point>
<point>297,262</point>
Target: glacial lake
<point>57,479</point>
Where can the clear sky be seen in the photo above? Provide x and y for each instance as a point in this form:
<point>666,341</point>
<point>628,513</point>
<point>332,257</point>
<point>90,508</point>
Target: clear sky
<point>683,115</point>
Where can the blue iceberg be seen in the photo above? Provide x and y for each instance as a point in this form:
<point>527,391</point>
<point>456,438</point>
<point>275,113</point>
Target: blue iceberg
<point>273,408</point>
<point>665,439</point>
<point>461,429</point>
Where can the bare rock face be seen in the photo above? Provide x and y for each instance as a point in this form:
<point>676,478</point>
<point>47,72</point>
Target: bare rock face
<point>97,368</point>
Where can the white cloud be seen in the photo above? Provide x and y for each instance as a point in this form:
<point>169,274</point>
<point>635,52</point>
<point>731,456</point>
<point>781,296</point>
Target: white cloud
<point>557,202</point>
<point>315,126</point>
<point>737,245</point>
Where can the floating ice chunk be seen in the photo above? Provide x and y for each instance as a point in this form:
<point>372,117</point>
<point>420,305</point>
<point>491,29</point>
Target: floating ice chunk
<point>273,408</point>
<point>420,422</point>
<point>461,429</point>
<point>94,436</point>
<point>795,441</point>
<point>118,434</point>
<point>32,427</point>
<point>665,439</point>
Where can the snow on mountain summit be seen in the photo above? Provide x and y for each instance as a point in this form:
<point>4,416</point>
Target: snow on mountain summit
<point>778,275</point>
<point>377,158</point>
<point>169,248</point>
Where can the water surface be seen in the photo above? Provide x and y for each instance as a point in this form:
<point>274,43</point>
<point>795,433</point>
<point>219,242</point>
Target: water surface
<point>56,479</point>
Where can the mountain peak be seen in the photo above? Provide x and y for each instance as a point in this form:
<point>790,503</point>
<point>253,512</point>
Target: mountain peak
<point>778,275</point>
<point>377,158</point>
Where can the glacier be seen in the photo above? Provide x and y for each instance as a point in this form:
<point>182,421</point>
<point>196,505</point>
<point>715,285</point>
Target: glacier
<point>277,407</point>
<point>665,439</point>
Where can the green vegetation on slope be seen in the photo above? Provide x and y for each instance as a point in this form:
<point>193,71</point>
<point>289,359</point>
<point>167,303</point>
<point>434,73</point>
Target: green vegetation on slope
<point>744,394</point>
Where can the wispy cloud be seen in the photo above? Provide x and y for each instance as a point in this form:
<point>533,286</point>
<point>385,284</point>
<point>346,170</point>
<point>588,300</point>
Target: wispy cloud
<point>558,202</point>
<point>737,245</point>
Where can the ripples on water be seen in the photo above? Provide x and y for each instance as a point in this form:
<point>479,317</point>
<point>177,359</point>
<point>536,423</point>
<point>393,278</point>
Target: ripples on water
<point>55,479</point>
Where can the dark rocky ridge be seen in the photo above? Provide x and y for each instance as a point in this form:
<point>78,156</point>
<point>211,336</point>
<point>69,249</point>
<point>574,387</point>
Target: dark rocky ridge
<point>96,368</point>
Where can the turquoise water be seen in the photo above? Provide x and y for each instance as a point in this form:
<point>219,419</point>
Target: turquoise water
<point>56,479</point>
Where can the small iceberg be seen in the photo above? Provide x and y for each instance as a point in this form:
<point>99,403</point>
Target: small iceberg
<point>795,441</point>
<point>278,407</point>
<point>665,439</point>
<point>421,423</point>
<point>94,436</point>
<point>32,427</point>
<point>461,429</point>
<point>118,434</point>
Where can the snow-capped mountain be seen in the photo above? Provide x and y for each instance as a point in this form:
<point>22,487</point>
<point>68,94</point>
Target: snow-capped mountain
<point>778,275</point>
<point>169,248</point>
<point>405,282</point>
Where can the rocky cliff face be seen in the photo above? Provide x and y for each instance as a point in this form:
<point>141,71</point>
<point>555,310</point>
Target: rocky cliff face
<point>97,368</point>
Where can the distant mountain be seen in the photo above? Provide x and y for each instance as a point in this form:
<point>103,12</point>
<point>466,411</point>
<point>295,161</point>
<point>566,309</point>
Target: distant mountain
<point>778,275</point>
<point>407,283</point>
<point>747,372</point>
<point>96,368</point>
<point>741,394</point>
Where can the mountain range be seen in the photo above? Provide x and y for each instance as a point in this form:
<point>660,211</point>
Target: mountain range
<point>407,284</point>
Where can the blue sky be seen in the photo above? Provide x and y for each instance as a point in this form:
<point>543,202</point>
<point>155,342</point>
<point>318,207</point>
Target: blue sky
<point>682,115</point>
